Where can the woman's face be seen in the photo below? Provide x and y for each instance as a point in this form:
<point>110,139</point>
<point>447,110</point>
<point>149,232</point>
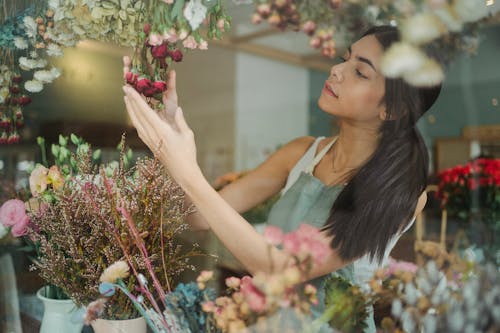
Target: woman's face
<point>355,88</point>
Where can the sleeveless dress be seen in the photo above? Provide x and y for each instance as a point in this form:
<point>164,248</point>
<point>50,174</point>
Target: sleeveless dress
<point>306,199</point>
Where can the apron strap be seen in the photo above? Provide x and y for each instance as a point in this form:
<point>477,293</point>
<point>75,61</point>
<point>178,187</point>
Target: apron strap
<point>318,157</point>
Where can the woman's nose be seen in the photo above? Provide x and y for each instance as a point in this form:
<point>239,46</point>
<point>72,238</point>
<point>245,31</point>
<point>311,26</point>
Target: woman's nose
<point>336,72</point>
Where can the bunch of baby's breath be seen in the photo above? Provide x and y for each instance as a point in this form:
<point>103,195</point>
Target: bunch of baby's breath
<point>80,233</point>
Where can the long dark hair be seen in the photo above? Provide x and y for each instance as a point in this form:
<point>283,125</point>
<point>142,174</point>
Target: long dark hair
<point>381,197</point>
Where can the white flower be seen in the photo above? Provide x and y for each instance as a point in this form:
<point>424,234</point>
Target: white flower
<point>27,64</point>
<point>430,74</point>
<point>33,86</point>
<point>54,4</point>
<point>55,72</point>
<point>422,28</point>
<point>40,63</point>
<point>3,231</point>
<point>53,50</point>
<point>43,76</point>
<point>449,17</point>
<point>195,12</point>
<point>470,10</point>
<point>118,270</point>
<point>30,26</point>
<point>401,58</point>
<point>397,307</point>
<point>20,43</point>
<point>33,54</point>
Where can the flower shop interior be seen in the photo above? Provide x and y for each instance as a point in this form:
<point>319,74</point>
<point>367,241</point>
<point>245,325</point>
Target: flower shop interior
<point>248,82</point>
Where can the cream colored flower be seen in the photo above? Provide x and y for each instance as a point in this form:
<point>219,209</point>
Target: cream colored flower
<point>54,50</point>
<point>470,10</point>
<point>430,74</point>
<point>422,28</point>
<point>27,64</point>
<point>118,270</point>
<point>401,58</point>
<point>33,86</point>
<point>4,92</point>
<point>55,177</point>
<point>43,76</point>
<point>449,17</point>
<point>30,26</point>
<point>20,43</point>
<point>38,179</point>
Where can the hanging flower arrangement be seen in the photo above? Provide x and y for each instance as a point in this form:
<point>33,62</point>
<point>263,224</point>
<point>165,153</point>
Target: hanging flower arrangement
<point>449,26</point>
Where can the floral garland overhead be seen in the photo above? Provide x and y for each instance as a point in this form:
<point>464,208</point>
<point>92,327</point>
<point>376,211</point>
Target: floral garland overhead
<point>447,26</point>
<point>159,30</point>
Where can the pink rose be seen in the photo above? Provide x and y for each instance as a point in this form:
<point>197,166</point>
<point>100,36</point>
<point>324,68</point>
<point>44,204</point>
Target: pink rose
<point>233,282</point>
<point>170,36</point>
<point>273,235</point>
<point>190,43</point>
<point>155,39</point>
<point>255,298</point>
<point>13,214</point>
<point>203,45</point>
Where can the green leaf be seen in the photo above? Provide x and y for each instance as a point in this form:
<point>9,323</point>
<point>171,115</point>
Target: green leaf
<point>63,141</point>
<point>74,139</point>
<point>96,155</point>
<point>176,10</point>
<point>55,150</point>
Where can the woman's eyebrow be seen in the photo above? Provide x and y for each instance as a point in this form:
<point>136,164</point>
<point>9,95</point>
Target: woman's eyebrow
<point>362,59</point>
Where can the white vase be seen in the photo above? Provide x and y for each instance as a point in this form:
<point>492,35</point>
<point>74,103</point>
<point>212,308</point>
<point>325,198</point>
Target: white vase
<point>57,315</point>
<point>136,325</point>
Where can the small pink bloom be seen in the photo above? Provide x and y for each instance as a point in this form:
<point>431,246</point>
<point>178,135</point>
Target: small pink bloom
<point>170,36</point>
<point>315,42</point>
<point>13,214</point>
<point>309,27</point>
<point>203,45</point>
<point>183,34</point>
<point>190,43</point>
<point>208,306</point>
<point>220,24</point>
<point>255,298</point>
<point>38,180</point>
<point>256,18</point>
<point>233,282</point>
<point>155,39</point>
<point>273,235</point>
<point>205,276</point>
<point>291,243</point>
<point>168,2</point>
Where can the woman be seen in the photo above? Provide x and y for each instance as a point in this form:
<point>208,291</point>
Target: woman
<point>364,187</point>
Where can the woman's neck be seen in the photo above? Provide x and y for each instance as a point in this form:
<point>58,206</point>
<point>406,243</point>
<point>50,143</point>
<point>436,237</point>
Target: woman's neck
<point>354,146</point>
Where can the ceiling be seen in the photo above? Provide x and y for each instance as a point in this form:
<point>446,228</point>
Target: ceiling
<point>291,47</point>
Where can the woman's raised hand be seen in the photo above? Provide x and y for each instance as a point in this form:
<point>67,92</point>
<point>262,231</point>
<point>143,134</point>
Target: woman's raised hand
<point>168,136</point>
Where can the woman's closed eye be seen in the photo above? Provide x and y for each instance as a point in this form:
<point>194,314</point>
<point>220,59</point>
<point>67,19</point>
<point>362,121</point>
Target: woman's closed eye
<point>361,75</point>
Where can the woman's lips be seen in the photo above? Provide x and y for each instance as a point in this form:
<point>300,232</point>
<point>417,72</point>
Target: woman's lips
<point>329,90</point>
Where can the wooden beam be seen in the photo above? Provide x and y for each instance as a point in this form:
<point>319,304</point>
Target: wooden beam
<point>257,34</point>
<point>276,54</point>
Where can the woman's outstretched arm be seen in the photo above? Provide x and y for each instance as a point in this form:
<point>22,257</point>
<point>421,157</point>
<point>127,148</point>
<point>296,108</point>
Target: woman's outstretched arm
<point>172,141</point>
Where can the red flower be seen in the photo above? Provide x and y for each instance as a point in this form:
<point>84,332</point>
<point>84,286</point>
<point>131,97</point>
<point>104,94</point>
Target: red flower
<point>13,138</point>
<point>3,138</point>
<point>142,85</point>
<point>24,100</point>
<point>147,28</point>
<point>160,51</point>
<point>472,184</point>
<point>159,86</point>
<point>15,89</point>
<point>17,79</point>
<point>176,55</point>
<point>131,78</point>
